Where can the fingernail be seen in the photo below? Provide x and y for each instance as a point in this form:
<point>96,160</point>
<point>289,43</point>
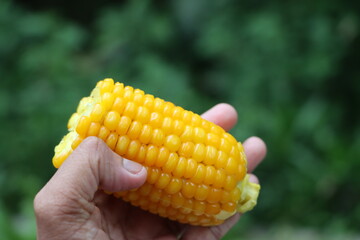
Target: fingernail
<point>253,179</point>
<point>131,166</point>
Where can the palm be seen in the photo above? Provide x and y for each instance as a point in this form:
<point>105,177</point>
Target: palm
<point>120,220</point>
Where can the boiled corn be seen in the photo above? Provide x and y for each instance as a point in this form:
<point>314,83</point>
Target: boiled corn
<point>196,170</point>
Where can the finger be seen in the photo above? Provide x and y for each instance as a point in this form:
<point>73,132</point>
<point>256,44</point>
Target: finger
<point>253,178</point>
<point>210,233</point>
<point>255,150</point>
<point>93,165</point>
<point>222,114</point>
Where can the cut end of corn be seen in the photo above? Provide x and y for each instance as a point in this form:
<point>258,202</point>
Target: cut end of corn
<point>196,170</point>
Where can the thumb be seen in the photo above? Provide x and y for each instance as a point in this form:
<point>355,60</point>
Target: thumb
<point>94,165</point>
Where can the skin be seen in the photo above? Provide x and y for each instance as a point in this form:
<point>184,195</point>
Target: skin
<point>71,206</point>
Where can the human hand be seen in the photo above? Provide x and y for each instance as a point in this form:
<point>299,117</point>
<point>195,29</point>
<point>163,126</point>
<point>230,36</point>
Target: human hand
<point>71,206</point>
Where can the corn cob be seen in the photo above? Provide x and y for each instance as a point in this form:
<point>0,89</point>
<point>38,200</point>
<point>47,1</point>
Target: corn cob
<point>196,170</point>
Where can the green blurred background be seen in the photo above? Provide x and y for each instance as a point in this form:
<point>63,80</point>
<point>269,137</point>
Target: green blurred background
<point>290,68</point>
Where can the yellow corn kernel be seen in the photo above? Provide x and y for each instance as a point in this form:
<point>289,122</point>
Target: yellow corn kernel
<point>138,97</point>
<point>119,105</point>
<point>76,142</point>
<point>148,101</point>
<point>229,206</point>
<point>199,135</point>
<point>107,100</point>
<point>94,129</point>
<point>153,175</point>
<point>168,109</point>
<point>226,197</point>
<point>212,140</point>
<point>188,189</point>
<point>151,155</point>
<point>196,120</point>
<point>142,115</point>
<point>235,194</point>
<point>219,178</point>
<point>231,166</point>
<point>191,167</point>
<point>155,196</point>
<point>112,139</point>
<point>158,137</point>
<point>140,157</point>
<point>118,90</point>
<point>123,125</point>
<point>103,133</point>
<point>158,105</point>
<point>172,142</point>
<point>177,112</point>
<point>133,149</point>
<point>145,189</point>
<point>112,120</point>
<point>217,130</point>
<point>222,159</point>
<point>187,117</point>
<point>171,163</point>
<point>199,208</point>
<point>210,155</point>
<point>122,145</point>
<point>202,192</point>
<point>186,149</point>
<point>156,120</point>
<point>197,173</point>
<point>134,130</point>
<point>174,186</point>
<point>178,127</point>
<point>128,93</point>
<point>177,199</point>
<point>230,182</point>
<point>225,145</point>
<point>210,174</point>
<point>146,134</point>
<point>212,208</point>
<point>214,195</point>
<point>107,86</point>
<point>97,113</point>
<point>130,110</point>
<point>187,134</point>
<point>199,152</point>
<point>162,157</point>
<point>83,125</point>
<point>167,125</point>
<point>163,181</point>
<point>165,202</point>
<point>180,169</point>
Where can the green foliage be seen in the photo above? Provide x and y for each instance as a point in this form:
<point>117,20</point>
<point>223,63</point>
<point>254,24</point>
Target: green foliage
<point>289,69</point>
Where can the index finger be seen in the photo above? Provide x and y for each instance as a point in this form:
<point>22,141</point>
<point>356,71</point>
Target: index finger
<point>222,114</point>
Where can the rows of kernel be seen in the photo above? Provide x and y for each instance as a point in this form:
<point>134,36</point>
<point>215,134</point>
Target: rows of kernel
<point>184,145</point>
<point>134,129</point>
<point>167,126</point>
<point>148,195</point>
<point>183,215</point>
<point>161,157</point>
<point>164,115</point>
<point>132,148</point>
<point>189,189</point>
<point>194,206</point>
<point>90,126</point>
